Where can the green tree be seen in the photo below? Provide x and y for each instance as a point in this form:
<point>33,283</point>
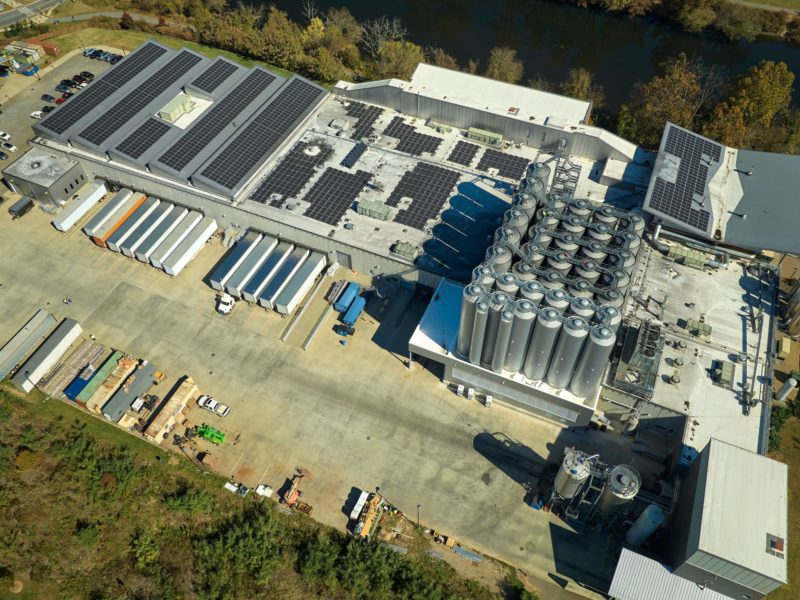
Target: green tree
<point>627,125</point>
<point>440,58</point>
<point>763,91</point>
<point>319,561</point>
<point>282,40</point>
<point>738,22</point>
<point>324,66</point>
<point>580,84</point>
<point>635,8</point>
<point>695,15</point>
<point>504,65</point>
<point>314,33</point>
<point>397,59</point>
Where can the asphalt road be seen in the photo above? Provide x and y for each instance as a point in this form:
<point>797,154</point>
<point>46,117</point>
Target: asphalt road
<point>24,13</point>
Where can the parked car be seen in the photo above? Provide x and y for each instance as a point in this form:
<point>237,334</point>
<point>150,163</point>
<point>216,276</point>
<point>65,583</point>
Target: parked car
<point>88,51</point>
<point>4,136</point>
<point>67,95</point>
<point>87,75</point>
<point>63,88</point>
<point>20,208</point>
<point>60,100</point>
<point>225,304</point>
<point>3,155</point>
<point>48,98</point>
<point>37,114</point>
<point>80,81</point>
<point>48,109</point>
<point>96,54</point>
<point>68,83</point>
<point>212,405</point>
<point>106,55</point>
<point>115,59</point>
<point>8,146</point>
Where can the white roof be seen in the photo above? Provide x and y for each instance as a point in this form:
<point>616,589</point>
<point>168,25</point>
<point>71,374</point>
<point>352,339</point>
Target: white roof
<point>745,499</point>
<point>499,97</point>
<point>640,578</point>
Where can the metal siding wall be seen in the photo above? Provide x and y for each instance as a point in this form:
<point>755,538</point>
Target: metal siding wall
<point>736,577</point>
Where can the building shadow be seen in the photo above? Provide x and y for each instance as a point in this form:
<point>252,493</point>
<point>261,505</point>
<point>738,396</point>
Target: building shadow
<point>514,459</point>
<point>586,558</point>
<point>396,307</point>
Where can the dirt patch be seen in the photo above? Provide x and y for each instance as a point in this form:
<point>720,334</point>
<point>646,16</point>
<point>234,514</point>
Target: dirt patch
<point>16,587</point>
<point>109,479</point>
<point>26,460</point>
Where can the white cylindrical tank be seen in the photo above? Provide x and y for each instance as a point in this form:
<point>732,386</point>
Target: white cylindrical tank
<point>566,353</point>
<point>592,362</point>
<point>595,251</point>
<point>524,318</point>
<point>507,283</point>
<point>574,225</point>
<point>503,338</point>
<point>523,271</point>
<point>556,299</point>
<point>483,276</point>
<point>786,389</point>
<point>651,519</point>
<point>605,214</point>
<point>533,291</point>
<point>575,470</point>
<point>560,261</point>
<point>479,330</point>
<point>469,299</point>
<point>621,487</point>
<point>552,280</point>
<point>580,289</point>
<point>543,342</point>
<point>500,258</point>
<point>566,243</point>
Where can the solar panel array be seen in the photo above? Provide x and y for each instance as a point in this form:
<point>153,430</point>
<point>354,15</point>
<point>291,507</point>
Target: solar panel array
<point>128,107</point>
<point>147,134</point>
<point>213,77</point>
<point>259,138</point>
<point>355,153</point>
<point>463,153</point>
<point>507,165</point>
<point>333,193</point>
<point>220,115</point>
<point>411,141</point>
<point>682,200</point>
<point>291,175</point>
<point>366,116</point>
<point>82,104</point>
<point>429,188</point>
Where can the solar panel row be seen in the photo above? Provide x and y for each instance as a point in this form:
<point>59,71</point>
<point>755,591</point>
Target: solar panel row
<point>429,188</point>
<point>411,141</point>
<point>258,139</point>
<point>507,165</point>
<point>365,118</point>
<point>213,77</point>
<point>355,153</point>
<point>74,110</point>
<point>220,115</point>
<point>463,153</point>
<point>128,107</point>
<point>292,174</point>
<point>333,193</point>
<point>147,134</point>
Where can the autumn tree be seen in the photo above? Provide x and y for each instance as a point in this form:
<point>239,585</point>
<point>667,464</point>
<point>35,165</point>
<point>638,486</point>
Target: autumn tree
<point>763,91</point>
<point>377,32</point>
<point>635,8</point>
<point>695,15</point>
<point>580,84</point>
<point>727,125</point>
<point>440,58</point>
<point>397,59</point>
<point>282,39</point>
<point>504,65</point>
<point>345,22</point>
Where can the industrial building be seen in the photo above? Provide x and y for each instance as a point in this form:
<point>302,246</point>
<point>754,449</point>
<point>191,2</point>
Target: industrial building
<point>549,293</point>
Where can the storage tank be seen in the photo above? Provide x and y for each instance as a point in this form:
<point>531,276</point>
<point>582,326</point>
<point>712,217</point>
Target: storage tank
<point>600,232</point>
<point>524,318</point>
<point>588,270</point>
<point>541,235</point>
<point>552,280</point>
<point>592,362</point>
<point>507,235</point>
<point>611,297</point>
<point>623,259</point>
<point>498,301</point>
<point>534,254</point>
<point>605,214</point>
<point>556,299</point>
<point>581,208</point>
<point>525,203</point>
<point>595,251</point>
<point>651,518</point>
<point>630,240</point>
<point>543,341</point>
<point>499,257</point>
<point>533,291</point>
<point>523,271</point>
<point>786,389</point>
<point>574,225</point>
<point>545,218</point>
<point>793,329</point>
<point>580,289</point>
<point>468,301</point>
<point>566,243</point>
<point>483,276</point>
<point>609,316</point>
<point>507,283</point>
<point>636,223</point>
<point>581,307</point>
<point>573,473</point>
<point>568,348</point>
<point>621,487</point>
<point>503,338</point>
<point>560,261</point>
<point>479,330</point>
<point>516,219</point>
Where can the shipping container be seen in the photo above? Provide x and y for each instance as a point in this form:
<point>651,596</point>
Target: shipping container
<point>266,271</point>
<point>116,220</point>
<point>137,383</point>
<point>47,355</point>
<point>190,246</point>
<point>125,230</point>
<point>25,340</point>
<point>346,298</point>
<point>80,205</point>
<point>249,266</point>
<point>145,228</point>
<point>77,385</point>
<point>289,267</point>
<point>300,284</point>
<point>167,415</point>
<point>233,259</point>
<point>174,239</point>
<point>98,378</point>
<point>352,314</point>
<point>160,233</point>
<point>109,208</point>
<point>107,388</point>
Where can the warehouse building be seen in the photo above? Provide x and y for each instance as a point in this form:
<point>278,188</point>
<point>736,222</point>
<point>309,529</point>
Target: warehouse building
<point>50,178</point>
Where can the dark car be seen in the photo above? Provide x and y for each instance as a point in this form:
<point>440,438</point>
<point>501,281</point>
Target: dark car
<point>48,98</point>
<point>87,75</point>
<point>67,82</point>
<point>47,109</point>
<point>67,95</point>
<point>115,59</point>
<point>79,80</point>
<point>63,88</point>
<point>96,54</point>
<point>3,155</point>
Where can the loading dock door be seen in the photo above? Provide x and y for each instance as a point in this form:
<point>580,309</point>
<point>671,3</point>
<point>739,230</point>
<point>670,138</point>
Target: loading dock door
<point>344,260</point>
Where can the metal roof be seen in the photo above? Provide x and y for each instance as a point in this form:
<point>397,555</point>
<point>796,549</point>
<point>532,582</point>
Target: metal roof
<point>640,578</point>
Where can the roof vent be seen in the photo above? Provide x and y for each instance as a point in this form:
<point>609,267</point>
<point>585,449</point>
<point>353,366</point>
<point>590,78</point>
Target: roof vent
<point>513,110</point>
<point>35,164</point>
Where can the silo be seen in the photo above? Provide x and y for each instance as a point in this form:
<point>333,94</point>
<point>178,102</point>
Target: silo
<point>556,299</point>
<point>540,235</point>
<point>539,172</point>
<point>623,259</point>
<point>479,330</point>
<point>507,235</point>
<point>611,297</point>
<point>608,316</point>
<point>525,203</point>
<point>574,225</point>
<point>516,219</point>
<point>630,240</point>
<point>545,218</point>
<point>503,338</point>
<point>499,257</point>
<point>617,279</point>
<point>580,289</point>
<point>588,270</point>
<point>786,389</point>
<point>507,283</point>
<point>534,254</point>
<point>595,251</point>
<point>545,332</point>
<point>605,214</point>
<point>552,280</point>
<point>566,243</point>
<point>592,362</point>
<point>636,223</point>
<point>532,291</point>
<point>560,262</point>
<point>581,208</point>
<point>600,232</point>
<point>468,301</point>
<point>524,318</point>
<point>483,276</point>
<point>621,487</point>
<point>568,348</point>
<point>581,307</point>
<point>649,521</point>
<point>499,300</point>
<point>523,271</point>
<point>573,473</point>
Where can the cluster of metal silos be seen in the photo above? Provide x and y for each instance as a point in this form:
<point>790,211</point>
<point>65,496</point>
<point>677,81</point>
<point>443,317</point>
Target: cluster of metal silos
<point>546,301</point>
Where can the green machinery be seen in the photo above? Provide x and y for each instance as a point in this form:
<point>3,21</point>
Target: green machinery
<point>211,434</point>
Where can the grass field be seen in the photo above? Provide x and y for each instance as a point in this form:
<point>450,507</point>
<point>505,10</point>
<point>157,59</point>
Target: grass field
<point>790,4</point>
<point>790,454</point>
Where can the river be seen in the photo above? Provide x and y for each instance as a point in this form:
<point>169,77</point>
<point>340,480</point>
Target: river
<point>552,38</point>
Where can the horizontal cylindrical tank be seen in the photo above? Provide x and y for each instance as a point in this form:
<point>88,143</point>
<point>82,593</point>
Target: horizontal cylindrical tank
<point>592,362</point>
<point>533,291</point>
<point>524,318</point>
<point>556,299</point>
<point>566,353</point>
<point>573,473</point>
<point>468,301</point>
<point>543,341</point>
<point>507,283</point>
<point>621,487</point>
<point>478,330</point>
<point>499,300</point>
<point>503,338</point>
<point>786,389</point>
<point>645,525</point>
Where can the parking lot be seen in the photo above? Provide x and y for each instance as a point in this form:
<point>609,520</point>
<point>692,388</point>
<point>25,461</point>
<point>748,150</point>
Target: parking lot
<point>354,414</point>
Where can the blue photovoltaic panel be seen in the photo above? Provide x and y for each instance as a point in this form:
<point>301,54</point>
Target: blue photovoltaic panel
<point>355,153</point>
<point>213,77</point>
<point>221,114</point>
<point>263,134</point>
<point>147,134</point>
<point>86,101</point>
<point>129,106</point>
